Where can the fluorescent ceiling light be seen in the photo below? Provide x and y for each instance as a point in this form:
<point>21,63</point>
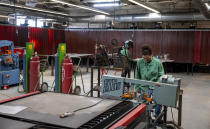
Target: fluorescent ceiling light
<point>33,9</point>
<point>100,17</point>
<point>45,19</point>
<point>101,1</point>
<point>207,5</point>
<point>107,5</point>
<point>154,15</point>
<point>144,6</point>
<point>6,16</point>
<point>82,7</point>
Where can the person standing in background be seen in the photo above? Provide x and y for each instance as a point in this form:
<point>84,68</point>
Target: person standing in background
<point>127,60</point>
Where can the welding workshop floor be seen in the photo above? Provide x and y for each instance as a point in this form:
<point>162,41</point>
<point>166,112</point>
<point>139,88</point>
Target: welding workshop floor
<point>196,97</point>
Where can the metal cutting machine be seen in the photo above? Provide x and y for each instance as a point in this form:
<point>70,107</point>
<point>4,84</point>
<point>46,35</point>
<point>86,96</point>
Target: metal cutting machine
<point>9,64</point>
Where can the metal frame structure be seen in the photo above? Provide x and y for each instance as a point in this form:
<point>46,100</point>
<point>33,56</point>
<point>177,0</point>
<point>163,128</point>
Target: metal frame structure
<point>92,88</point>
<point>167,93</point>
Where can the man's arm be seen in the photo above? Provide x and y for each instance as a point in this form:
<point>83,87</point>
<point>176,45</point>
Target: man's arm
<point>138,72</point>
<point>138,76</point>
<point>160,70</point>
<point>128,54</point>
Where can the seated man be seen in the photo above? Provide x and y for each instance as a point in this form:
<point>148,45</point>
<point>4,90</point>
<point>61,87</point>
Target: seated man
<point>149,68</point>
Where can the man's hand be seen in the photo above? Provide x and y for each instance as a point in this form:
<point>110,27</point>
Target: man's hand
<point>157,84</point>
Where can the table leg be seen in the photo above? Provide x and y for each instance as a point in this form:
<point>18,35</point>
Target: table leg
<point>180,111</point>
<point>52,66</point>
<point>88,59</point>
<point>165,114</point>
<point>187,68</point>
<point>99,76</point>
<point>192,68</point>
<point>91,83</point>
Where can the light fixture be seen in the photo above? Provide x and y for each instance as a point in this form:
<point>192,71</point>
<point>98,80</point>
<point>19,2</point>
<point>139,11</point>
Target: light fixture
<point>33,9</point>
<point>45,19</point>
<point>6,16</point>
<point>207,5</point>
<point>107,5</point>
<point>100,1</point>
<point>82,7</point>
<point>144,6</point>
<point>154,15</point>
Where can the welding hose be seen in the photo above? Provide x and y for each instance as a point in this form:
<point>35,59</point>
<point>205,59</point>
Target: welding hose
<point>52,86</point>
<point>5,95</point>
<point>18,89</point>
<point>71,85</point>
<point>66,114</point>
<point>37,82</point>
<point>75,74</point>
<point>83,86</point>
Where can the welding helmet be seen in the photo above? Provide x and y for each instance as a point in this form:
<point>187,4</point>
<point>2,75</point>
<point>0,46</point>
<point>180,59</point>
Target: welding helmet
<point>128,44</point>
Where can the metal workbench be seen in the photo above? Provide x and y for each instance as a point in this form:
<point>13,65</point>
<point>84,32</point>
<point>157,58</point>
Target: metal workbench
<point>46,108</point>
<point>73,55</point>
<point>6,123</point>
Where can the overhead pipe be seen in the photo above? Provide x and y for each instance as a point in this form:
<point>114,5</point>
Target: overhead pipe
<point>152,17</point>
<point>22,7</point>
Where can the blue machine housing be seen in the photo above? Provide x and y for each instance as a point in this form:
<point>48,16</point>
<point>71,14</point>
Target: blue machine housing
<point>9,73</point>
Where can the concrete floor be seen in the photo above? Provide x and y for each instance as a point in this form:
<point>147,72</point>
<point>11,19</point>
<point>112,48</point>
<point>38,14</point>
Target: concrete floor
<point>196,97</point>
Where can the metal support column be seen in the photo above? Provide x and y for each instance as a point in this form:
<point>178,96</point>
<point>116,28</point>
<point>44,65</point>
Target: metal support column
<point>91,83</point>
<point>180,109</point>
<point>88,59</point>
<point>52,66</point>
<point>187,68</point>
<point>99,76</point>
<point>165,114</point>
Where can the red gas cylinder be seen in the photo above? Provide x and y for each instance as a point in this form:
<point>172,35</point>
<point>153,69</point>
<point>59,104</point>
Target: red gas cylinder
<point>34,74</point>
<point>67,72</point>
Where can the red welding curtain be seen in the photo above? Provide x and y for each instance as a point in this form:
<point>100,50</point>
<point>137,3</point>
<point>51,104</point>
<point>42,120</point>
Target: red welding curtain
<point>40,38</point>
<point>21,36</point>
<point>197,47</point>
<point>51,42</point>
<point>205,48</point>
<point>68,42</point>
<point>7,33</point>
<point>59,37</point>
<point>79,42</point>
<point>183,46</point>
<point>152,38</point>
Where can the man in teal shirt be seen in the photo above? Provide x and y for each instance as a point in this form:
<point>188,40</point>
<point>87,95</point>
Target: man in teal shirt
<point>149,68</point>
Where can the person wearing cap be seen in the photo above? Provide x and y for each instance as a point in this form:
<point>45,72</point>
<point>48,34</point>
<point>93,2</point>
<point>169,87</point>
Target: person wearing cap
<point>148,68</point>
<point>125,52</point>
<point>125,49</point>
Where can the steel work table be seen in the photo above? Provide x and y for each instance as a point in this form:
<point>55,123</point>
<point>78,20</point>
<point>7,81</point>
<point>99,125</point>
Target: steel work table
<point>47,108</point>
<point>13,124</point>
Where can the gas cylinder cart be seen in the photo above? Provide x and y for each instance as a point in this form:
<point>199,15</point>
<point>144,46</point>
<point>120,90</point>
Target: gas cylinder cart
<point>64,76</point>
<point>33,64</point>
<point>44,64</point>
<point>76,70</point>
